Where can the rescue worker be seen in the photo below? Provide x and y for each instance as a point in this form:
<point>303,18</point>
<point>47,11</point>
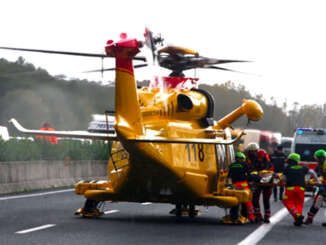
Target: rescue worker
<point>278,159</point>
<point>239,174</point>
<point>294,176</point>
<point>251,151</point>
<point>320,156</point>
<point>262,163</point>
<point>51,139</point>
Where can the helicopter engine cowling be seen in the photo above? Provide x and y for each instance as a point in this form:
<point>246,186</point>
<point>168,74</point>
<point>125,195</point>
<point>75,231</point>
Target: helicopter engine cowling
<point>179,105</point>
<point>184,102</point>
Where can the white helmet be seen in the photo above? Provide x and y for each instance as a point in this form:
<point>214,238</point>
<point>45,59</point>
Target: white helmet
<point>252,147</point>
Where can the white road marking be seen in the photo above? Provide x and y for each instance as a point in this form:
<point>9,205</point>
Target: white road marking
<point>146,203</point>
<point>262,230</point>
<point>35,229</point>
<point>111,211</point>
<point>35,195</point>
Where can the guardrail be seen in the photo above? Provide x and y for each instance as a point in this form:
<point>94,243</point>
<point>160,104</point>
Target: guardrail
<point>33,175</point>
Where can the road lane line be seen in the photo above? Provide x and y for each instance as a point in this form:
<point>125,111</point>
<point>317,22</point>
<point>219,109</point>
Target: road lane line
<point>35,195</point>
<point>146,203</point>
<point>35,229</point>
<point>262,230</point>
<point>111,211</point>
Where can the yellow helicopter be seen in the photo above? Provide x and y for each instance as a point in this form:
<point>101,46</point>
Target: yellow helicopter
<point>167,147</point>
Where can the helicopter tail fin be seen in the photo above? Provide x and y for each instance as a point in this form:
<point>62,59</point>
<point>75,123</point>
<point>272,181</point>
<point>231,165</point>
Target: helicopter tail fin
<point>127,109</point>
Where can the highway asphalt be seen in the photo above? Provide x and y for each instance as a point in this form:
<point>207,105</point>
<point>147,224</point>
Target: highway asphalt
<point>47,217</point>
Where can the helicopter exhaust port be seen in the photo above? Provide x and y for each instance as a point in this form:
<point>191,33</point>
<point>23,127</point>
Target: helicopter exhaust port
<point>184,103</point>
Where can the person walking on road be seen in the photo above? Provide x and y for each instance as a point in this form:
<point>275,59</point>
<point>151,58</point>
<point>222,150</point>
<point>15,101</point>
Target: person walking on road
<point>294,177</point>
<point>278,161</point>
<point>251,154</point>
<point>262,164</point>
<point>320,156</point>
<point>239,174</point>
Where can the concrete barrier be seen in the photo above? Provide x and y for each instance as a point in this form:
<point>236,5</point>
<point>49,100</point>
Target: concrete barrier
<point>33,175</point>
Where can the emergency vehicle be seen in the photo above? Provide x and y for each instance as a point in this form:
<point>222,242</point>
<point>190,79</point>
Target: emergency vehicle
<point>251,136</point>
<point>305,142</point>
<point>276,139</point>
<point>266,140</point>
<point>101,123</point>
<point>4,135</point>
<point>286,142</point>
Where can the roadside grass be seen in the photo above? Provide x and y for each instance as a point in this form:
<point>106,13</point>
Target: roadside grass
<point>26,150</point>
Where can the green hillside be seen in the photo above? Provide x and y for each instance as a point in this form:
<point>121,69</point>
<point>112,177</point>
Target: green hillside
<point>32,96</point>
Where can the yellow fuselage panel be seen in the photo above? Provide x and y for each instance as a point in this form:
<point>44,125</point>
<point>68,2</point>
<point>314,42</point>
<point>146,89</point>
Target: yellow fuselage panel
<point>192,168</point>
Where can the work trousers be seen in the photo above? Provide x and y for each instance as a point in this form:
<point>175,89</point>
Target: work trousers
<point>266,191</point>
<point>281,189</point>
<point>247,209</point>
<point>293,200</point>
<point>318,201</point>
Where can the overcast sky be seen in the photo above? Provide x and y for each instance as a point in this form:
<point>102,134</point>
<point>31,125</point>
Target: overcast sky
<point>285,39</point>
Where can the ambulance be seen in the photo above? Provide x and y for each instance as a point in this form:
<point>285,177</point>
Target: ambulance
<point>305,142</point>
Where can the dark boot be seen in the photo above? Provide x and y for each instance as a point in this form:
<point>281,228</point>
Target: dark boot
<point>308,220</point>
<point>267,216</point>
<point>258,217</point>
<point>266,220</point>
<point>311,214</point>
<point>298,220</point>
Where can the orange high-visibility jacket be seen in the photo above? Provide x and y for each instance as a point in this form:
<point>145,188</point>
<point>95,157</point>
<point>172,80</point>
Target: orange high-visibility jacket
<point>51,139</point>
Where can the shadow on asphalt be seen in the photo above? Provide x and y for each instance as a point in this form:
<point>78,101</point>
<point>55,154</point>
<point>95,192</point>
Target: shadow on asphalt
<point>165,220</point>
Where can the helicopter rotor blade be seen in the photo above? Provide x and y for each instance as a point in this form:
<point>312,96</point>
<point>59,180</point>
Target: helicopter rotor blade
<point>226,69</point>
<point>212,61</point>
<point>67,53</point>
<point>149,42</point>
<point>113,69</point>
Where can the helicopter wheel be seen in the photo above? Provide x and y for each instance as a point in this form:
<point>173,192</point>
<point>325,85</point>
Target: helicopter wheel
<point>192,211</point>
<point>90,209</point>
<point>178,210</point>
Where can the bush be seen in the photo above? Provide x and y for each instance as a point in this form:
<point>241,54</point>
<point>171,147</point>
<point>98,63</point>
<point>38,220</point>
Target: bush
<point>26,150</point>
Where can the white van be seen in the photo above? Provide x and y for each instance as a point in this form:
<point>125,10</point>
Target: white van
<point>4,133</point>
<point>251,136</point>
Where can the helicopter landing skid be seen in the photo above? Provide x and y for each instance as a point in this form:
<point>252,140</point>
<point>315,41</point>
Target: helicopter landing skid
<point>241,220</point>
<point>91,209</point>
<point>185,212</point>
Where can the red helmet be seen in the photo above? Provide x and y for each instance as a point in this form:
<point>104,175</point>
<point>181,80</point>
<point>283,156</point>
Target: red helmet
<point>261,153</point>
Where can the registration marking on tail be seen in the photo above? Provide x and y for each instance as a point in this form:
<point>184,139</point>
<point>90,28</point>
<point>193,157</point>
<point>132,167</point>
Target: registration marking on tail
<point>36,229</point>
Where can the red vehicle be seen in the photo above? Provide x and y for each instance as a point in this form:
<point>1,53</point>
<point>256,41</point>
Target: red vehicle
<point>266,141</point>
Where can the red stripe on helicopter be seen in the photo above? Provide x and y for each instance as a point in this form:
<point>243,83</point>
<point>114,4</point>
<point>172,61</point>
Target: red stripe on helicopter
<point>125,71</point>
<point>125,65</point>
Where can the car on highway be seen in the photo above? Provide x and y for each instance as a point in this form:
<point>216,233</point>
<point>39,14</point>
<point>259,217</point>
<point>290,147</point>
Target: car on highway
<point>286,142</point>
